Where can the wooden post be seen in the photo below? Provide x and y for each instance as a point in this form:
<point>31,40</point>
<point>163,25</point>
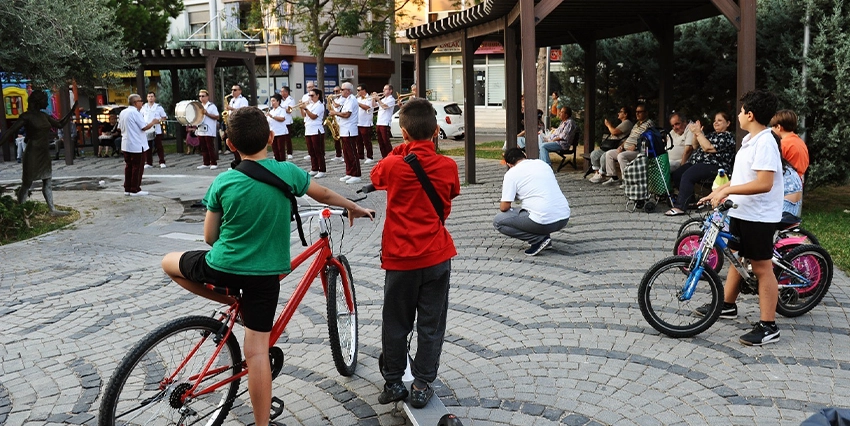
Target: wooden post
<point>468,47</point>
<point>665,71</point>
<point>180,131</point>
<point>746,56</point>
<point>589,47</point>
<point>513,80</point>
<point>529,73</point>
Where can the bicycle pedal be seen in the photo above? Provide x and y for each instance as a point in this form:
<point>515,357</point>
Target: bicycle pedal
<point>277,408</point>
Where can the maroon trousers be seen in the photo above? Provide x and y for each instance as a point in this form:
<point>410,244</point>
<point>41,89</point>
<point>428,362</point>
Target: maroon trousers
<point>384,141</point>
<point>134,166</point>
<point>364,140</point>
<point>316,149</point>
<point>278,147</point>
<point>287,140</point>
<point>155,143</point>
<point>338,147</point>
<point>349,153</point>
<point>208,150</point>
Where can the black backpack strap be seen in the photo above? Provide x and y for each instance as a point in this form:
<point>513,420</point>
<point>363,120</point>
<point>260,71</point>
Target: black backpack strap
<point>426,185</point>
<point>257,172</point>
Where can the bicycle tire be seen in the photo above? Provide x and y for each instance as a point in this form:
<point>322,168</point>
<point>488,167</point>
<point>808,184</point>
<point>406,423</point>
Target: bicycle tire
<point>813,262</point>
<point>687,244</point>
<point>134,388</point>
<point>798,232</point>
<point>342,323</point>
<point>692,224</point>
<point>663,283</point>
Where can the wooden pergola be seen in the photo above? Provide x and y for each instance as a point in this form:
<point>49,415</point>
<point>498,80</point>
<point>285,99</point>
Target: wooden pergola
<point>525,25</point>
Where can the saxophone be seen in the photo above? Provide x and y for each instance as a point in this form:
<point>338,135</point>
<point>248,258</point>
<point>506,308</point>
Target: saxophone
<point>330,122</point>
<point>225,113</point>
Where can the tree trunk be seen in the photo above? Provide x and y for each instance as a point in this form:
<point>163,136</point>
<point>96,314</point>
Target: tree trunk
<point>542,75</point>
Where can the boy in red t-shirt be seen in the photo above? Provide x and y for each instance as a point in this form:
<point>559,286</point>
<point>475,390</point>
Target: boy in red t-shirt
<point>416,252</point>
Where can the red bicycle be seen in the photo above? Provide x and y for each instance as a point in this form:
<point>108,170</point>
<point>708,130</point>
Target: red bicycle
<point>188,370</point>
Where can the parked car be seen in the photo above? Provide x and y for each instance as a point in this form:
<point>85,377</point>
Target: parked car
<point>449,118</point>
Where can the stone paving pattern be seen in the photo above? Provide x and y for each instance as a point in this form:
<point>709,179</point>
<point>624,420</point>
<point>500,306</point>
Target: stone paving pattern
<point>552,339</point>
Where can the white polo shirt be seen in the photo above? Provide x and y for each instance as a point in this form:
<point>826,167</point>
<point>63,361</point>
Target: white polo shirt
<point>758,153</point>
<point>278,127</point>
<point>133,139</point>
<point>149,112</point>
<point>211,124</point>
<point>385,115</point>
<point>314,126</point>
<point>239,102</point>
<point>364,116</point>
<point>348,126</point>
<point>286,104</point>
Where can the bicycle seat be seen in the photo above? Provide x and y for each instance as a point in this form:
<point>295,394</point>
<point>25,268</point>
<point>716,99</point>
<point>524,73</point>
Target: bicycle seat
<point>224,290</point>
<point>788,221</point>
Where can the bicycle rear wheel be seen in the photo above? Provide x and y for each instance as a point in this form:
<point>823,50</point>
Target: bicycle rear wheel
<point>692,224</point>
<point>659,292</point>
<point>812,262</point>
<point>687,244</point>
<point>342,322</point>
<point>142,390</point>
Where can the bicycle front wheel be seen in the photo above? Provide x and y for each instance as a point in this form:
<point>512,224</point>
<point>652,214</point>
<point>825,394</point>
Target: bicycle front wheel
<point>659,298</point>
<point>342,322</point>
<point>812,262</point>
<point>148,386</point>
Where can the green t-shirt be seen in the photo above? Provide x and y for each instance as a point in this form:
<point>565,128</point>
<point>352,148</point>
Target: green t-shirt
<point>254,238</point>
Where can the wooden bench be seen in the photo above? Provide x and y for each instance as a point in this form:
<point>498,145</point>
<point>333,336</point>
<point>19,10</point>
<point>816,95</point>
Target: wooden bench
<point>572,150</point>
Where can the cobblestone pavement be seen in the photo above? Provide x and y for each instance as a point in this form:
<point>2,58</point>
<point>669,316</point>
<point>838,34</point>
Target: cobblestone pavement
<point>553,339</point>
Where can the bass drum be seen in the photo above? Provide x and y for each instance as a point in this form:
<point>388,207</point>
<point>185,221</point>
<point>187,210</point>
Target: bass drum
<point>189,113</point>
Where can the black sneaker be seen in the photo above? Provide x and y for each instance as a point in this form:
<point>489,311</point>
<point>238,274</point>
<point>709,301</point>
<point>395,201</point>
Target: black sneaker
<point>392,392</point>
<point>419,397</point>
<point>537,248</point>
<point>762,334</point>
<point>728,311</point>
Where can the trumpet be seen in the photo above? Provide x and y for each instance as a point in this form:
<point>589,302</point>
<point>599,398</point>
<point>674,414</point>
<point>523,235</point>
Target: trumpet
<point>299,105</point>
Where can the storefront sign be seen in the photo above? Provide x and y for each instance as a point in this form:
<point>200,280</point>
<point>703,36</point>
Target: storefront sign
<point>555,54</point>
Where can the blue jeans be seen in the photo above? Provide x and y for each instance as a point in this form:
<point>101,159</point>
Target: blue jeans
<point>548,148</point>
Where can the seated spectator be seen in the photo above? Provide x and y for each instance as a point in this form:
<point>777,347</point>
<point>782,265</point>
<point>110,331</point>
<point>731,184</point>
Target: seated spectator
<point>683,140</point>
<point>794,150</point>
<point>614,134</point>
<point>110,137</point>
<point>710,153</point>
<point>520,137</point>
<point>562,136</point>
<point>544,208</point>
<point>617,159</point>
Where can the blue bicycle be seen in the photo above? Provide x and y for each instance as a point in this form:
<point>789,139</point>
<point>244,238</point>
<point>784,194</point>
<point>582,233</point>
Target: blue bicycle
<point>670,291</point>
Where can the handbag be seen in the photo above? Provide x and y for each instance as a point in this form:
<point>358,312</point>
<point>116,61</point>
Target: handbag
<point>609,143</point>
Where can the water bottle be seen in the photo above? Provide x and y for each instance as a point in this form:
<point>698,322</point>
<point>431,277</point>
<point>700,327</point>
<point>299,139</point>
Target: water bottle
<point>720,180</point>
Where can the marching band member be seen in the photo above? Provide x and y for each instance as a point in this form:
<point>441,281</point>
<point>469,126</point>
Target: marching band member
<point>277,123</point>
<point>305,99</point>
<point>313,112</point>
<point>335,104</point>
<point>207,130</point>
<point>287,103</point>
<point>386,105</point>
<point>149,111</point>
<point>364,124</point>
<point>236,102</point>
<point>346,116</point>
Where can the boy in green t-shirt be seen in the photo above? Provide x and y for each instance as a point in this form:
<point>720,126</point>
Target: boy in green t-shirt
<point>247,224</point>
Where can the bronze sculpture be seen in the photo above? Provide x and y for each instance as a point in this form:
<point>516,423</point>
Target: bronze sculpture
<point>36,158</point>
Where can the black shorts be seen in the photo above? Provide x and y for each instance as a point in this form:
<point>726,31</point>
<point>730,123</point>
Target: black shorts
<point>259,293</point>
<point>756,238</point>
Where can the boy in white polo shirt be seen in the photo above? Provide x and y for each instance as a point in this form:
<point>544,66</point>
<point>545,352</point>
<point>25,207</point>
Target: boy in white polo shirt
<point>757,188</point>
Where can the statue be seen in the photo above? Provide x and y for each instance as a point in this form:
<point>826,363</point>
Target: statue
<point>36,159</point>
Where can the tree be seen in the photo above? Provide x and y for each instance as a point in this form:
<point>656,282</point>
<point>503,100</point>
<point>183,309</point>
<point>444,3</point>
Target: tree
<point>52,43</point>
<point>318,22</point>
<point>145,23</point>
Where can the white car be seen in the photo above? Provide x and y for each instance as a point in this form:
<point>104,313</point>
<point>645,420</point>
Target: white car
<point>449,118</point>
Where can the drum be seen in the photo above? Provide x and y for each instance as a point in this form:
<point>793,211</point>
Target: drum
<point>189,113</point>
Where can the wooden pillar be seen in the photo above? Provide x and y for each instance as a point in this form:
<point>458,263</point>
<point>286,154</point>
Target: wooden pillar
<point>746,56</point>
<point>665,71</point>
<point>589,47</point>
<point>467,49</point>
<point>529,72</point>
<point>7,150</point>
<point>140,82</point>
<point>513,80</point>
<point>419,74</point>
<point>180,131</point>
<point>252,78</point>
<point>210,69</point>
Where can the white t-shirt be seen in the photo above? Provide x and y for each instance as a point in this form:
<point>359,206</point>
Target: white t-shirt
<point>288,102</point>
<point>278,127</point>
<point>314,126</point>
<point>211,124</point>
<point>150,112</point>
<point>533,181</point>
<point>758,153</point>
<point>385,115</point>
<point>348,126</point>
<point>364,116</point>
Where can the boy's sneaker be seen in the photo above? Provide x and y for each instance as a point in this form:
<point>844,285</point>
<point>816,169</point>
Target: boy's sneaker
<point>611,181</point>
<point>727,311</point>
<point>537,248</point>
<point>597,178</point>
<point>762,334</point>
<point>392,392</point>
<point>419,397</point>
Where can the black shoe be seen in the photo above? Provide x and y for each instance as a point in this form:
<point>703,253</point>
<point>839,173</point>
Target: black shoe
<point>762,334</point>
<point>419,397</point>
<point>728,311</point>
<point>392,392</point>
<point>537,248</point>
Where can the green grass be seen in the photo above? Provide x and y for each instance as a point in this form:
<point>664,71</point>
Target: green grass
<point>826,213</point>
<point>39,222</point>
<point>491,150</point>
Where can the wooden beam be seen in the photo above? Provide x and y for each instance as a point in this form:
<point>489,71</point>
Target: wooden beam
<point>665,72</point>
<point>513,81</point>
<point>590,60</point>
<point>467,50</point>
<point>746,55</point>
<point>529,72</point>
<point>730,10</point>
<point>420,63</point>
<point>544,8</point>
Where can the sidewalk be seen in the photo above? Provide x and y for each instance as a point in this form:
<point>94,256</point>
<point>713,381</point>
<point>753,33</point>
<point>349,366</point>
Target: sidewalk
<point>546,340</point>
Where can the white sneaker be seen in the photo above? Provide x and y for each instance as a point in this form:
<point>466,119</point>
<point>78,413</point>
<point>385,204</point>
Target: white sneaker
<point>353,180</point>
<point>597,178</point>
<point>127,194</point>
<point>319,175</point>
<point>162,166</point>
<point>338,159</point>
<point>307,157</point>
<point>368,161</point>
<point>213,167</point>
<point>202,167</point>
<point>139,194</point>
<point>611,181</point>
<point>344,178</point>
<point>148,166</point>
<point>312,173</point>
<point>289,157</point>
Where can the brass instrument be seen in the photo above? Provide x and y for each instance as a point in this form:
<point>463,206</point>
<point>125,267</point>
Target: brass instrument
<point>225,113</point>
<point>330,122</point>
<point>405,97</point>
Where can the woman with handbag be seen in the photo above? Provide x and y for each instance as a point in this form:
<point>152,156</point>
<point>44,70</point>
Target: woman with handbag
<point>611,141</point>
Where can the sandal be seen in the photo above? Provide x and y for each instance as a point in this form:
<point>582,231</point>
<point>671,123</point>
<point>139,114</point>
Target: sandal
<point>674,212</point>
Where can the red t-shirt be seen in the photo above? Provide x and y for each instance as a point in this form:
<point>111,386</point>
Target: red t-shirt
<point>413,236</point>
<point>795,151</point>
